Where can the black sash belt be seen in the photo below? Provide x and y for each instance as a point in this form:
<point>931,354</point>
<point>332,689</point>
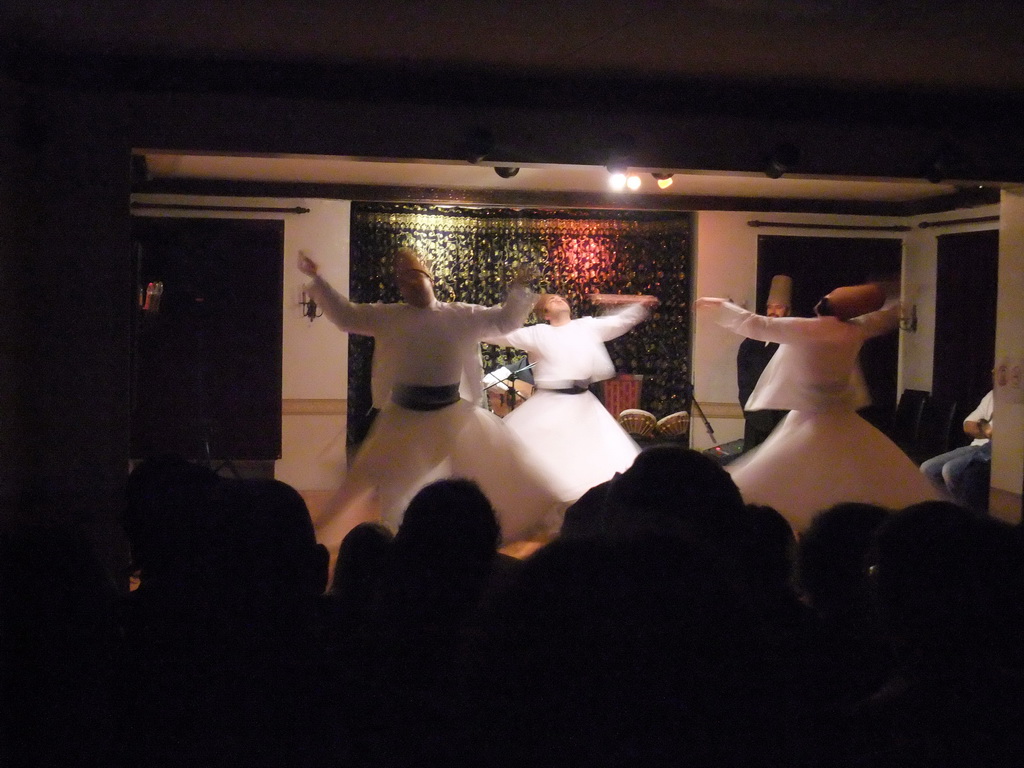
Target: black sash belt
<point>567,390</point>
<point>425,398</point>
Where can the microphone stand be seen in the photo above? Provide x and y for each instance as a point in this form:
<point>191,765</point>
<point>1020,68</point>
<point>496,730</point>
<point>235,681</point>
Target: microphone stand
<point>513,377</point>
<point>511,387</point>
<point>707,424</point>
<point>715,450</point>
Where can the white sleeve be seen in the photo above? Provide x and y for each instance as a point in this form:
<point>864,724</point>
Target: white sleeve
<point>613,325</point>
<point>362,319</point>
<point>520,338</point>
<point>501,319</point>
<point>782,330</point>
<point>880,322</point>
<point>983,411</point>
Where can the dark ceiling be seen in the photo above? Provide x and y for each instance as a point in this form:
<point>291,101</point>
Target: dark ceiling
<point>849,43</point>
<point>933,68</point>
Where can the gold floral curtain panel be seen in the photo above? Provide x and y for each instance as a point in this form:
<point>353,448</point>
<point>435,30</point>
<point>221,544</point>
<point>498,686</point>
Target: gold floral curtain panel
<point>474,252</point>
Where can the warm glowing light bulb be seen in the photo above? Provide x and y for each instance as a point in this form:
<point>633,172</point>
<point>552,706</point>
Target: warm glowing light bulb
<point>633,182</point>
<point>665,183</point>
<point>617,181</point>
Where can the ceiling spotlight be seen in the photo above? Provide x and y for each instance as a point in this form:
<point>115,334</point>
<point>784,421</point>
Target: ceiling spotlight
<point>617,181</point>
<point>506,171</point>
<point>782,160</point>
<point>664,179</point>
<point>633,182</point>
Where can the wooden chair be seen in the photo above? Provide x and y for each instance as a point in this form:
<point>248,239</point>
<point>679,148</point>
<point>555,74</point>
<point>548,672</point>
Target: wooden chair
<point>936,433</point>
<point>905,429</point>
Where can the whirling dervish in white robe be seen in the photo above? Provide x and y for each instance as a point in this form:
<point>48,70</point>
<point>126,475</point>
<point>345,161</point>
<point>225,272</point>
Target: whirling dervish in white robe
<point>574,438</point>
<point>426,381</point>
<point>823,452</point>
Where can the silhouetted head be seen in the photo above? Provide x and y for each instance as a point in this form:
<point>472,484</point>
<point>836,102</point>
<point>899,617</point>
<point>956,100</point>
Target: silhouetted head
<point>616,652</point>
<point>771,550</point>
<point>584,517</point>
<point>268,539</point>
<point>360,558</point>
<point>674,489</point>
<point>443,553</point>
<point>938,571</point>
<point>168,499</point>
<point>832,558</point>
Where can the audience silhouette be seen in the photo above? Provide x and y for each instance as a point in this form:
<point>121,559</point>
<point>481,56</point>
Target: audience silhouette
<point>630,651</point>
<point>357,573</point>
<point>58,649</point>
<point>224,659</point>
<point>941,578</point>
<point>668,623</point>
<point>434,580</point>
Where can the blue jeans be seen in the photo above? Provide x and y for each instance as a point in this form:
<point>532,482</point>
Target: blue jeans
<point>965,473</point>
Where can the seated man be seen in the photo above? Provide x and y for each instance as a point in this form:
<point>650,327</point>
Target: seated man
<point>964,472</point>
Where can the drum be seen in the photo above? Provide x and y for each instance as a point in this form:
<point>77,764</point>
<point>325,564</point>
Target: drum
<point>638,422</point>
<point>675,426</point>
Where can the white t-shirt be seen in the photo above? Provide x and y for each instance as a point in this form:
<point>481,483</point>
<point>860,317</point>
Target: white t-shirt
<point>983,411</point>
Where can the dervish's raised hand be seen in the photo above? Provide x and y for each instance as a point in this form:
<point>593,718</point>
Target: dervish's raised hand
<point>307,266</point>
<point>708,301</point>
<point>525,274</point>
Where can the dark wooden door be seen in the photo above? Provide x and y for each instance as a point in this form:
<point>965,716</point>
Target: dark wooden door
<point>206,367</point>
<point>965,317</point>
<point>819,264</point>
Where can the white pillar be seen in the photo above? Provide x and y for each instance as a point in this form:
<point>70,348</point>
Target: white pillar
<point>1008,438</point>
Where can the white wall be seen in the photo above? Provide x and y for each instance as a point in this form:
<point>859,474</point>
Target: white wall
<point>725,265</point>
<point>315,353</point>
<point>1008,419</point>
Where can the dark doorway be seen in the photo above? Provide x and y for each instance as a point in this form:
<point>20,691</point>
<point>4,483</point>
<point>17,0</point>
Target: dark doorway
<point>965,317</point>
<point>206,365</point>
<point>819,264</point>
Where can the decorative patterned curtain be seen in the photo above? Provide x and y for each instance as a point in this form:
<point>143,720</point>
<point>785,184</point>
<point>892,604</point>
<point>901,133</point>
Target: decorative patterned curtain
<point>474,252</point>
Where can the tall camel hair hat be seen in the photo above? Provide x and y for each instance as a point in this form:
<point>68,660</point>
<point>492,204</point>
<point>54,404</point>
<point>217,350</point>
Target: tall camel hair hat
<point>407,259</point>
<point>852,300</point>
<point>781,291</point>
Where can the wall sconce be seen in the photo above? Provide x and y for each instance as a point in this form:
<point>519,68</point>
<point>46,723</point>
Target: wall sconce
<point>664,179</point>
<point>908,319</point>
<point>309,307</point>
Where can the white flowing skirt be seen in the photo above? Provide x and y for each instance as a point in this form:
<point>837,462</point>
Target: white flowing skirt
<point>574,439</point>
<point>406,450</point>
<point>814,460</point>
